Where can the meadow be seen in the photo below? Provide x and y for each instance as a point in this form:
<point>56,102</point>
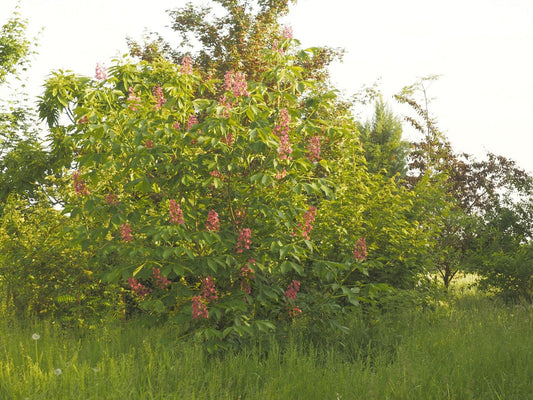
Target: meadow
<point>466,346</point>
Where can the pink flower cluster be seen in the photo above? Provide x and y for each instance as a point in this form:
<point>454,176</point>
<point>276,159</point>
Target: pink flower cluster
<point>216,174</point>
<point>281,174</point>
<point>282,131</point>
<point>176,214</point>
<point>245,240</point>
<point>159,97</point>
<point>313,149</point>
<point>359,252</point>
<point>176,125</point>
<point>186,65</point>
<point>192,121</point>
<point>247,275</point>
<point>212,224</point>
<point>199,307</point>
<point>290,294</point>
<point>83,120</point>
<point>275,47</point>
<point>307,224</point>
<point>139,289</point>
<point>223,101</point>
<point>292,290</point>
<point>228,139</point>
<point>149,144</point>
<point>100,72</point>
<point>240,215</point>
<point>111,199</point>
<point>287,32</point>
<point>125,231</point>
<point>199,303</point>
<point>160,280</point>
<point>236,83</point>
<point>79,185</point>
<point>134,100</point>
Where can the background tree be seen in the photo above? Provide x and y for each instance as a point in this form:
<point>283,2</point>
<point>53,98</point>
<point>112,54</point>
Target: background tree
<point>385,150</point>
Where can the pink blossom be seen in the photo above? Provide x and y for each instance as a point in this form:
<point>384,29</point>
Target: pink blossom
<point>240,215</point>
<point>160,280</point>
<point>212,224</point>
<point>199,307</point>
<point>216,174</point>
<point>209,292</point>
<point>281,174</point>
<point>125,230</point>
<point>83,120</point>
<point>223,101</point>
<point>100,72</point>
<point>149,144</point>
<point>186,65</point>
<point>111,199</point>
<point>176,214</point>
<point>192,121</point>
<point>139,289</point>
<point>236,83</point>
<point>134,100</point>
<point>228,139</point>
<point>313,149</point>
<point>79,185</point>
<point>292,290</point>
<point>275,47</point>
<point>281,129</point>
<point>359,252</point>
<point>176,125</point>
<point>294,311</point>
<point>307,224</point>
<point>245,240</point>
<point>287,32</point>
<point>159,97</point>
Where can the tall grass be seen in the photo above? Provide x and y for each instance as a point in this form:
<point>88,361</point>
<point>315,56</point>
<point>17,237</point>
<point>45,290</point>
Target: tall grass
<point>469,347</point>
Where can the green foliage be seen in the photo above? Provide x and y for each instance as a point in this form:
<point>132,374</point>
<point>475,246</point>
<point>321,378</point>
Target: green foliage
<point>41,272</point>
<point>14,47</point>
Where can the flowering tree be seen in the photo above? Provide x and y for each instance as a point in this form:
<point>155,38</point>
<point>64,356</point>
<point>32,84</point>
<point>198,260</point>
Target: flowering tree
<point>203,208</point>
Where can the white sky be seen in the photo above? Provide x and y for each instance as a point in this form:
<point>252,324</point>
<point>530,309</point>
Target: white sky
<point>483,49</point>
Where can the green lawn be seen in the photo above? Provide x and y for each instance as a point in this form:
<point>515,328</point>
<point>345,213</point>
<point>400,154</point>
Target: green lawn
<point>470,347</point>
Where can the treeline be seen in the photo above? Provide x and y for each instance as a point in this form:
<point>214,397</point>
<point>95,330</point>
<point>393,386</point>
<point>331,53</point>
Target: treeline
<point>227,188</point>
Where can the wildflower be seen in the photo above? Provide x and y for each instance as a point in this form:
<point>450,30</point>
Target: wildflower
<point>199,307</point>
<point>35,336</point>
<point>313,149</point>
<point>186,65</point>
<point>134,100</point>
<point>111,199</point>
<point>236,83</point>
<point>160,280</point>
<point>192,121</point>
<point>125,230</point>
<point>139,289</point>
<point>149,144</point>
<point>58,371</point>
<point>176,214</point>
<point>79,185</point>
<point>287,32</point>
<point>100,72</point>
<point>245,240</point>
<point>159,97</point>
<point>209,292</point>
<point>292,290</point>
<point>359,252</point>
<point>212,224</point>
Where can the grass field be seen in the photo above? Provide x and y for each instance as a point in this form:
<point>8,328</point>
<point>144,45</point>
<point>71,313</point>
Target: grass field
<point>467,347</point>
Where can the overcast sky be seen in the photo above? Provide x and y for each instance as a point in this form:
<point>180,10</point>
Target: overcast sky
<point>482,48</point>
